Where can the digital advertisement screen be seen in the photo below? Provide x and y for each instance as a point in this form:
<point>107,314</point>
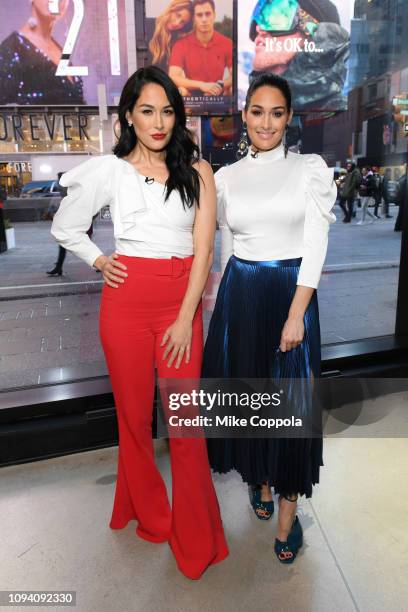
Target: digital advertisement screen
<point>194,46</point>
<point>304,41</point>
<point>58,51</point>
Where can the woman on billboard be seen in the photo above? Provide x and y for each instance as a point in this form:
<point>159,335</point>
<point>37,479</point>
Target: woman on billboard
<point>274,212</point>
<point>163,206</point>
<point>29,59</point>
<point>175,21</point>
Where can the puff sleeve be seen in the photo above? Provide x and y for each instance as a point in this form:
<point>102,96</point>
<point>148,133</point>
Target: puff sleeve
<point>321,194</point>
<point>88,191</point>
<point>227,237</point>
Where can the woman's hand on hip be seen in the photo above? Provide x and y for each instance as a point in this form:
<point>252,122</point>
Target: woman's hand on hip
<point>112,270</point>
<point>178,338</point>
<point>292,333</point>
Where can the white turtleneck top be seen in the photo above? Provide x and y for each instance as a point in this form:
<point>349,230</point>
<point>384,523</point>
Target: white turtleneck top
<point>144,225</point>
<point>276,207</point>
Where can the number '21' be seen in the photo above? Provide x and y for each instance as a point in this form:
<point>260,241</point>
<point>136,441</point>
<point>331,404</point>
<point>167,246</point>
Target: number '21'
<point>64,69</point>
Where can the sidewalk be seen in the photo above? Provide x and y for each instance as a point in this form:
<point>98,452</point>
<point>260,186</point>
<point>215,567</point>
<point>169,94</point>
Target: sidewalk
<point>49,326</point>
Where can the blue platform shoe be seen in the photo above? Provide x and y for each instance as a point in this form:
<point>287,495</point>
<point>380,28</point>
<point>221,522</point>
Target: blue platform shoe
<point>286,551</point>
<point>262,509</point>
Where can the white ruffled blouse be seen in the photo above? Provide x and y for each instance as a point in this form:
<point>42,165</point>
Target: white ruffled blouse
<point>143,224</point>
<point>272,207</point>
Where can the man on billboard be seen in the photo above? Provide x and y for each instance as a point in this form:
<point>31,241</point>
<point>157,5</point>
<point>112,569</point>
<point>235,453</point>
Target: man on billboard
<point>303,41</point>
<point>201,62</point>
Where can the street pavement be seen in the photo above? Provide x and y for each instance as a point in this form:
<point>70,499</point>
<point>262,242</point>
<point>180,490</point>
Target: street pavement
<point>49,325</point>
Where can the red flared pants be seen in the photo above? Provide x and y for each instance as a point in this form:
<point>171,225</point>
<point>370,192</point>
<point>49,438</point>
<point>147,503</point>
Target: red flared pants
<point>133,319</point>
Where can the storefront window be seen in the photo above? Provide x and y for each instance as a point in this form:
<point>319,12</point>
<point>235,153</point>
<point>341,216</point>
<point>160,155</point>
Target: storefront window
<point>354,114</point>
<point>68,132</point>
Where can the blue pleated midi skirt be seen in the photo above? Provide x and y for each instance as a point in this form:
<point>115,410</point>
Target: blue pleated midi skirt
<point>243,340</point>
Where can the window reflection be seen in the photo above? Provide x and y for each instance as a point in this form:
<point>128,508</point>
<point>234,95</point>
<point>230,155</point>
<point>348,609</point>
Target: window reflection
<point>48,324</point>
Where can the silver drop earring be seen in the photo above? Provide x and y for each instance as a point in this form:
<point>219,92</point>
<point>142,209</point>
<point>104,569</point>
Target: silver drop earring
<point>32,23</point>
<point>243,143</point>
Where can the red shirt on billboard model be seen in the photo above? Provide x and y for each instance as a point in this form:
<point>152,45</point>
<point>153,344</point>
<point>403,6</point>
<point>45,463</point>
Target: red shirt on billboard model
<point>202,62</point>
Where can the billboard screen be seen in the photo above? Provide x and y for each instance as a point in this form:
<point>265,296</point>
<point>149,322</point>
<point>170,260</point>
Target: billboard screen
<point>306,42</point>
<point>194,46</point>
<point>58,51</point>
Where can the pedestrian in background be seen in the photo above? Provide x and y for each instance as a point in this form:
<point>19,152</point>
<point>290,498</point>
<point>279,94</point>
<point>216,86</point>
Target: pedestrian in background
<point>401,201</point>
<point>377,191</point>
<point>385,182</point>
<point>57,270</point>
<point>349,190</point>
<point>366,192</point>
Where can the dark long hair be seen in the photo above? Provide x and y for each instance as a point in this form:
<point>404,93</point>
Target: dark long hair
<point>181,150</point>
<point>273,80</point>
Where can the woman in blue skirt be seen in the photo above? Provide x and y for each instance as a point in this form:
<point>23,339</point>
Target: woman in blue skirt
<point>274,212</point>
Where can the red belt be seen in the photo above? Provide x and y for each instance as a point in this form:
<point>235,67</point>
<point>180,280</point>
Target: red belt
<point>175,266</point>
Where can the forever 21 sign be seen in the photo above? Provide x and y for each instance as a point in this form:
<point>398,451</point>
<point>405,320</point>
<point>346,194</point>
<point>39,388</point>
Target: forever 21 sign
<point>21,127</point>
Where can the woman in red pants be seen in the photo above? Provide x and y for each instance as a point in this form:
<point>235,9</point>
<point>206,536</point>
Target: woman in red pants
<point>163,206</point>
